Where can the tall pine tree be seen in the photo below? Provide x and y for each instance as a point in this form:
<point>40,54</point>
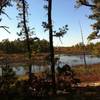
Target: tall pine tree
<point>49,27</point>
<point>95,8</point>
<point>22,6</point>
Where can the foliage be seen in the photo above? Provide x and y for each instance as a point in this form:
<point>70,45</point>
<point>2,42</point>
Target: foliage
<point>66,78</point>
<point>15,46</point>
<point>96,50</point>
<point>18,46</point>
<point>42,46</point>
<point>21,20</point>
<point>3,5</point>
<point>7,80</point>
<point>95,8</point>
<point>90,49</point>
<point>93,35</point>
<point>62,31</point>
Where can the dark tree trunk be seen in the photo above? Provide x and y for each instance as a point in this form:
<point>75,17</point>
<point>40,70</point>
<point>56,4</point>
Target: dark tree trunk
<point>51,44</point>
<point>27,38</point>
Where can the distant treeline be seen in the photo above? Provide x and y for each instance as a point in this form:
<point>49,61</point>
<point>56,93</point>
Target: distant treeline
<point>42,46</point>
<point>92,49</point>
<point>19,46</point>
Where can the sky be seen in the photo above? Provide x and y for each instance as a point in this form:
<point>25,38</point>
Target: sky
<point>63,12</point>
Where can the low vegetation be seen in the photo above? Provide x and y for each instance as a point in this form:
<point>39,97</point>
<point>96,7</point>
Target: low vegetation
<point>87,74</point>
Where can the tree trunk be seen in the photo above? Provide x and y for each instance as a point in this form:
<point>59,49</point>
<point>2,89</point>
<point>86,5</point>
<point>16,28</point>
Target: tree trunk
<point>51,45</point>
<point>27,39</point>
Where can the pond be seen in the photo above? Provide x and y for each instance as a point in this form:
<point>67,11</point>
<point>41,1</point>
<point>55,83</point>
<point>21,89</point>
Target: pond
<point>79,59</point>
<point>64,59</point>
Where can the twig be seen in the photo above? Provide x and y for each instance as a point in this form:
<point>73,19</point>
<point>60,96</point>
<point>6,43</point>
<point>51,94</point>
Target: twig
<point>5,28</point>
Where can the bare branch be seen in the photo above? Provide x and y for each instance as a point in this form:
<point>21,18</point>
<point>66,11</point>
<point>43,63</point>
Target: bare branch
<point>5,14</point>
<point>5,28</point>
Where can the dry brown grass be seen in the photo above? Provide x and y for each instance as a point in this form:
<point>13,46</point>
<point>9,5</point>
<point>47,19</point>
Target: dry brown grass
<point>91,73</point>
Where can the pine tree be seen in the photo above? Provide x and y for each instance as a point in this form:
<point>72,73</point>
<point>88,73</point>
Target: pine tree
<point>22,6</point>
<point>95,8</point>
<point>3,5</point>
<point>49,27</point>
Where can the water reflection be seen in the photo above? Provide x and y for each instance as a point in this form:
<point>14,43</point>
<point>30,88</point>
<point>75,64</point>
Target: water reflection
<point>20,70</point>
<point>35,68</point>
<point>76,60</point>
<point>70,60</point>
<point>64,59</point>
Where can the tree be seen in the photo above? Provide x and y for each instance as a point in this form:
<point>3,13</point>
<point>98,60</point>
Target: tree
<point>96,49</point>
<point>22,6</point>
<point>43,46</point>
<point>95,7</point>
<point>3,5</point>
<point>49,26</point>
<point>8,79</point>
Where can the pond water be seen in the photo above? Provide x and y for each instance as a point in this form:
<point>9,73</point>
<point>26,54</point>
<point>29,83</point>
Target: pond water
<point>64,59</point>
<point>77,60</point>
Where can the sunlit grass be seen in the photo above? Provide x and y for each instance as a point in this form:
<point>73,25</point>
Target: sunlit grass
<point>90,73</point>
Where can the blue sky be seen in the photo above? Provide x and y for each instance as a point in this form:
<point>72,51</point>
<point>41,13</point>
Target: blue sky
<point>63,13</point>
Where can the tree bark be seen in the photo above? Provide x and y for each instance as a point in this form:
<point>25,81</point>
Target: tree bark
<point>51,44</point>
<point>27,39</point>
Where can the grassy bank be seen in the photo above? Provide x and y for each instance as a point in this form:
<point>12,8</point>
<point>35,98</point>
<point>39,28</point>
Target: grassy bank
<point>91,73</point>
<point>22,59</point>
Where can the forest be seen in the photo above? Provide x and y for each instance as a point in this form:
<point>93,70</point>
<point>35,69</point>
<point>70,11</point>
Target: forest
<point>42,46</point>
<point>54,79</point>
<point>18,46</point>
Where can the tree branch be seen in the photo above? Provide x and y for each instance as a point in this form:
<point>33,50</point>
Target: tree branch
<point>5,28</point>
<point>89,5</point>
